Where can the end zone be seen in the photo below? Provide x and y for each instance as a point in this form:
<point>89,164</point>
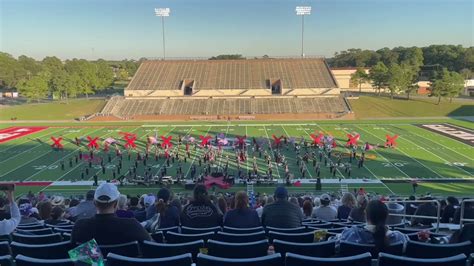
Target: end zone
<point>11,133</point>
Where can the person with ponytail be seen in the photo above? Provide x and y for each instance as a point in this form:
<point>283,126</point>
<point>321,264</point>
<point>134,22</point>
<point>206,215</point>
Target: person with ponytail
<point>375,231</point>
<point>165,214</point>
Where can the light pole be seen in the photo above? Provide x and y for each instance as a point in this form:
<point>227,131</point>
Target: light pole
<point>302,11</point>
<point>163,12</point>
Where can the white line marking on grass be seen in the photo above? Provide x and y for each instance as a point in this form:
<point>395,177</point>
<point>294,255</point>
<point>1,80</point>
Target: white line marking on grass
<point>195,154</point>
<point>405,154</point>
<point>44,154</point>
<point>307,169</point>
<point>62,158</point>
<point>271,150</point>
<point>435,155</point>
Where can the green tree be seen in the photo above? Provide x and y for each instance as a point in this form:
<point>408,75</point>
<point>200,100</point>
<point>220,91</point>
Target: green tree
<point>466,73</point>
<point>52,64</point>
<point>87,73</point>
<point>227,57</point>
<point>29,67</point>
<point>379,76</point>
<point>35,88</point>
<point>122,74</point>
<point>447,84</point>
<point>65,85</point>
<point>359,77</point>
<point>400,78</point>
<point>9,71</point>
<point>105,75</point>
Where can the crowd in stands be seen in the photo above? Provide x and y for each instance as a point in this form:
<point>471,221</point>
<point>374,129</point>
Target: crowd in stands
<point>112,218</point>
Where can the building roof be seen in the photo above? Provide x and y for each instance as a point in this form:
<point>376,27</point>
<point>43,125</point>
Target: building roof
<point>233,74</point>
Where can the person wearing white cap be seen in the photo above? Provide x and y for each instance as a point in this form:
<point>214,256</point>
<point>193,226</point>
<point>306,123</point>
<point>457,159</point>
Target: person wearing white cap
<point>325,212</point>
<point>105,227</point>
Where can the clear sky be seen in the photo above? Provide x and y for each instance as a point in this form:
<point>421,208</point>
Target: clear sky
<point>118,29</point>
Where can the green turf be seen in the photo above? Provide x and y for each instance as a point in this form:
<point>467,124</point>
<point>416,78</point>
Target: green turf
<point>53,110</point>
<point>381,106</point>
<point>420,154</point>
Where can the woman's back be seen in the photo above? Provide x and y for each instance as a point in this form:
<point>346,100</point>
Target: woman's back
<point>241,218</point>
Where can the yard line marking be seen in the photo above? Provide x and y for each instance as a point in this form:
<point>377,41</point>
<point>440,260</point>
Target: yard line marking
<point>196,153</point>
<point>39,145</point>
<point>446,147</point>
<point>436,155</point>
<point>246,154</point>
<point>29,139</point>
<point>33,159</point>
<point>62,158</point>
<point>307,169</point>
<point>405,154</point>
<point>271,150</point>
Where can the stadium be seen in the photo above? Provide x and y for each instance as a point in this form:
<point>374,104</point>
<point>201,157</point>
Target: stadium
<point>364,158</point>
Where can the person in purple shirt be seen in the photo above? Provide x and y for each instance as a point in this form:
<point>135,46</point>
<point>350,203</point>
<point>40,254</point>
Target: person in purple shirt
<point>122,210</point>
<point>242,216</point>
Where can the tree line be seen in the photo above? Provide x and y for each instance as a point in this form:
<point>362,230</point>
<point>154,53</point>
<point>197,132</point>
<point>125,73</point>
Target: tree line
<point>52,77</point>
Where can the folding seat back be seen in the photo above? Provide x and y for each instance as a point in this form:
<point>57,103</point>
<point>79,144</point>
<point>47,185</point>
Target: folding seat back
<point>393,260</point>
<point>6,260</point>
<point>299,260</point>
<point>307,237</point>
<point>237,250</point>
<point>427,250</point>
<point>5,248</point>
<point>42,251</point>
<point>409,230</point>
<point>37,239</point>
<point>240,238</point>
<point>174,238</point>
<point>193,230</point>
<point>296,230</point>
<point>234,230</point>
<point>169,229</point>
<point>158,237</point>
<point>7,238</point>
<point>269,260</point>
<point>319,249</point>
<point>30,227</point>
<point>129,249</point>
<point>42,231</point>
<point>119,260</point>
<point>62,230</point>
<point>22,260</point>
<point>159,250</point>
<point>319,225</point>
<point>350,249</point>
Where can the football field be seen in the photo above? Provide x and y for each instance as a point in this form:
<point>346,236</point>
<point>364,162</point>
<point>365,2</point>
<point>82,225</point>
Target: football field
<point>443,164</point>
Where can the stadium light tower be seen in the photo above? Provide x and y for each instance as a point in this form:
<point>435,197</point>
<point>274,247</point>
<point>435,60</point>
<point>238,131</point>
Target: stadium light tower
<point>302,11</point>
<point>163,12</point>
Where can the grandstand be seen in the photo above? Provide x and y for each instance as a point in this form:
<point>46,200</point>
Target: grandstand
<point>231,89</point>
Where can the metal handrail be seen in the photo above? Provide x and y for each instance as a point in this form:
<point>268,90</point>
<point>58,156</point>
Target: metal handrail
<point>461,217</point>
<point>437,218</point>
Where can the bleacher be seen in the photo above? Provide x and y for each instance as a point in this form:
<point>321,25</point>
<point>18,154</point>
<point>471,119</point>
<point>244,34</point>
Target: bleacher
<point>39,244</point>
<point>233,106</point>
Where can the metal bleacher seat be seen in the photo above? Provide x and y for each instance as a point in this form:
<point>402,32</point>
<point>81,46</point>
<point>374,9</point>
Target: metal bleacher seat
<point>174,238</point>
<point>193,230</point>
<point>42,231</point>
<point>119,260</point>
<point>269,260</point>
<point>240,238</point>
<point>237,250</point>
<point>6,260</point>
<point>126,249</point>
<point>318,249</point>
<point>300,229</point>
<point>158,250</point>
<point>42,251</point>
<point>22,260</point>
<point>4,248</point>
<point>307,237</point>
<point>37,239</point>
<point>235,230</point>
<point>350,249</point>
<point>392,260</point>
<point>417,249</point>
<point>299,260</point>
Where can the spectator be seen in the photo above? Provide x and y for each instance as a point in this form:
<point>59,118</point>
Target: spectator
<point>26,211</point>
<point>85,209</point>
<point>449,210</point>
<point>262,201</point>
<point>425,209</point>
<point>122,210</point>
<point>307,209</point>
<point>465,234</point>
<point>394,208</point>
<point>242,216</point>
<point>376,231</point>
<point>7,226</point>
<point>105,227</point>
<point>45,208</point>
<point>348,203</point>
<point>411,207</point>
<point>325,212</point>
<point>4,214</point>
<point>149,203</point>
<point>201,212</point>
<point>294,201</point>
<point>358,214</point>
<point>177,203</point>
<point>282,213</point>
<point>133,204</point>
<point>57,216</point>
<point>468,212</point>
<point>222,204</point>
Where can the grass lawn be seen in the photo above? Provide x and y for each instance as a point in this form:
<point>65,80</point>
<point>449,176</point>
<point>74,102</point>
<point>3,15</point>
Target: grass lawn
<point>381,106</point>
<point>52,111</point>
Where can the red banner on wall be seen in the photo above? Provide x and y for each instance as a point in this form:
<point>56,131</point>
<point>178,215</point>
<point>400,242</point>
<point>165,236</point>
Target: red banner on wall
<point>17,132</point>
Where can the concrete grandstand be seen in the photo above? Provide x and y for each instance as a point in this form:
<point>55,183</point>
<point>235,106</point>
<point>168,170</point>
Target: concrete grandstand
<point>283,88</point>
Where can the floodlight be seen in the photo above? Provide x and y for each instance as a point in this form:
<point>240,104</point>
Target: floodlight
<point>162,12</point>
<point>303,10</point>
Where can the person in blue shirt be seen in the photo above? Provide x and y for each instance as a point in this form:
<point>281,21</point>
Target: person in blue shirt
<point>375,232</point>
<point>242,216</point>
